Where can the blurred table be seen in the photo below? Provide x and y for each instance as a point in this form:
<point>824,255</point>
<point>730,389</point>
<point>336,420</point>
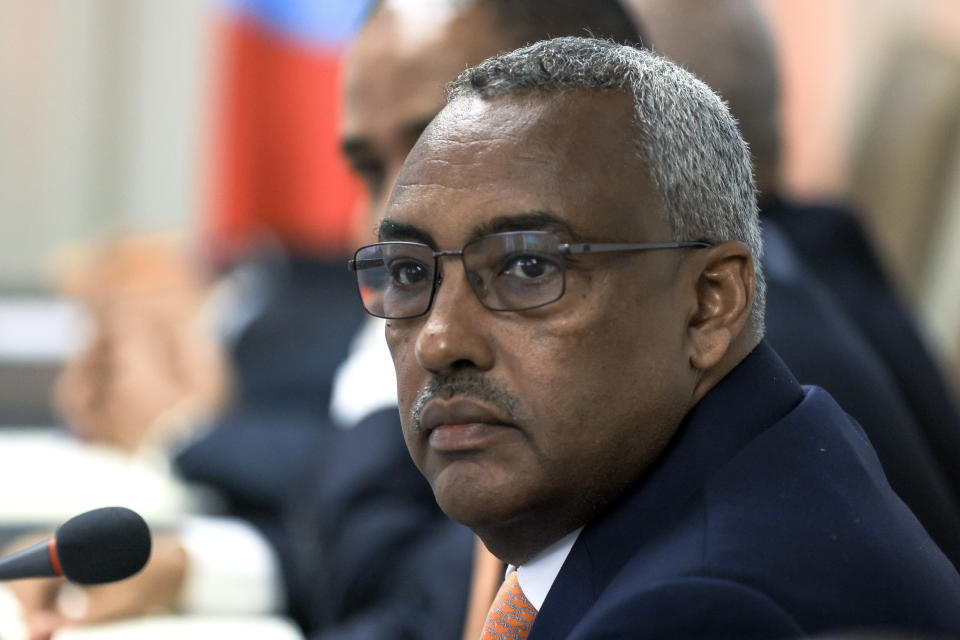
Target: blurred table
<point>37,333</point>
<point>47,477</point>
<point>187,627</point>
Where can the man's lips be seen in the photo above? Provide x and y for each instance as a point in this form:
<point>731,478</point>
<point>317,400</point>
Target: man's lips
<point>458,411</point>
<point>460,424</point>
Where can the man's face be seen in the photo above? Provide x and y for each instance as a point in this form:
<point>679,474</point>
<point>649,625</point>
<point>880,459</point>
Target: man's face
<point>395,79</point>
<point>534,421</point>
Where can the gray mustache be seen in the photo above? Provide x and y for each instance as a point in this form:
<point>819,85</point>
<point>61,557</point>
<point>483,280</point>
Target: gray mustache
<point>469,385</point>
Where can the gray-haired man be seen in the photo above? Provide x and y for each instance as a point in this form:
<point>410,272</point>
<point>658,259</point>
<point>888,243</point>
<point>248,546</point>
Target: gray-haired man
<point>568,263</point>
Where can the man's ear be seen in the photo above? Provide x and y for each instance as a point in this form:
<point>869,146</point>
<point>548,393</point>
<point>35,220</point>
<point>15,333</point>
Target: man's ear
<point>724,287</point>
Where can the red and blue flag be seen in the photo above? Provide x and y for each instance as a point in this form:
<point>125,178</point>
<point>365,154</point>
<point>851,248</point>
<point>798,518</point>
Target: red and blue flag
<point>277,170</point>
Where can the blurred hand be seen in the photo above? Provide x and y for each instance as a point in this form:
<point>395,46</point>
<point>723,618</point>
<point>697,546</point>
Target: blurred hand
<point>51,603</point>
<point>148,373</point>
<point>38,600</point>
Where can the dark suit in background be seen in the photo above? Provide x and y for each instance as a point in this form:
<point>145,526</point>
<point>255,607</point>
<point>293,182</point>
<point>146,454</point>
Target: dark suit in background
<point>768,516</point>
<point>372,555</point>
<point>364,550</point>
<point>822,346</point>
<point>303,314</point>
<point>832,242</point>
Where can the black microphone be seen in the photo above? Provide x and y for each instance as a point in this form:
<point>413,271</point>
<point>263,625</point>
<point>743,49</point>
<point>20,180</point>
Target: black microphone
<point>98,546</point>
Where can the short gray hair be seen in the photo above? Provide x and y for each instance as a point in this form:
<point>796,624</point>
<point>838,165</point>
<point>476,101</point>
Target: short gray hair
<point>684,132</point>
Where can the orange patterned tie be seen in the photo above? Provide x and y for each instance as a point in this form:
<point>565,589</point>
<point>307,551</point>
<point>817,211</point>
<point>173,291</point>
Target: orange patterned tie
<point>511,614</point>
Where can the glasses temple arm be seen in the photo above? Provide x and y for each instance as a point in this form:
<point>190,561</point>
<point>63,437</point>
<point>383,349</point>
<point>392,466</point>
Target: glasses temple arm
<point>607,247</point>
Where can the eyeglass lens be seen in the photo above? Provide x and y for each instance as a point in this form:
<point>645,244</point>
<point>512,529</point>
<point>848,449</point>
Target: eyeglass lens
<point>507,271</point>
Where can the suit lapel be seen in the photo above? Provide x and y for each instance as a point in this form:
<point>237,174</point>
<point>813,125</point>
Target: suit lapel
<point>570,597</point>
<point>755,395</point>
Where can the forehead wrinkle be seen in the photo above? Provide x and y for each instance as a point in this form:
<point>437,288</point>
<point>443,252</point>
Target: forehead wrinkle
<point>449,162</point>
<point>400,191</point>
<point>462,149</point>
<point>437,173</point>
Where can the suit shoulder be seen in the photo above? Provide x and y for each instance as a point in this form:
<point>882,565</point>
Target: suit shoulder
<point>685,607</point>
<point>805,514</point>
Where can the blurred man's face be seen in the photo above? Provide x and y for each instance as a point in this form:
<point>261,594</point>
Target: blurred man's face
<point>395,79</point>
<point>534,421</point>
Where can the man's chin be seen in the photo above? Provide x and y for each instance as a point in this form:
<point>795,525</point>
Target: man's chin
<point>469,494</point>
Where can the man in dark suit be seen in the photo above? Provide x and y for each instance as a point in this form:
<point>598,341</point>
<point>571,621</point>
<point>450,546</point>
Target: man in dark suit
<point>568,265</point>
<point>395,85</point>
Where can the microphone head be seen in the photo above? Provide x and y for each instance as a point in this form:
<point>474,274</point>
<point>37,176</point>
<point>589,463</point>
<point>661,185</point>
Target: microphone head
<point>102,545</point>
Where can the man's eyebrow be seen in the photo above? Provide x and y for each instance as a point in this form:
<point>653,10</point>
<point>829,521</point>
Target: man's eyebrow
<point>525,221</point>
<point>390,230</point>
<point>354,145</point>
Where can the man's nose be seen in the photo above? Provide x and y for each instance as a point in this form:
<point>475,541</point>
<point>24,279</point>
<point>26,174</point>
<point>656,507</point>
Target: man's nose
<point>455,334</point>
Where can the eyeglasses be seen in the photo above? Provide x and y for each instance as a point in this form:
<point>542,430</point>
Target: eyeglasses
<point>513,271</point>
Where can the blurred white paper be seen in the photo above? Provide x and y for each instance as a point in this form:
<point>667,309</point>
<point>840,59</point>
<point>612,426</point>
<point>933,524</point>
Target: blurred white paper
<point>49,476</point>
<point>188,628</point>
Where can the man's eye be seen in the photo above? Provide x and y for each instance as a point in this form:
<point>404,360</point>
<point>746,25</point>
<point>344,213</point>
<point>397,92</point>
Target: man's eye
<point>528,267</point>
<point>408,272</point>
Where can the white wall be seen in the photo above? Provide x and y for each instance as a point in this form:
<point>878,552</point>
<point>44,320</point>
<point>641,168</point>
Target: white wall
<point>101,123</point>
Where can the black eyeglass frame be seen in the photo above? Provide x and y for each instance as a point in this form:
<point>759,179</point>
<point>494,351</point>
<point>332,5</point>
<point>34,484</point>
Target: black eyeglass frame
<point>563,248</point>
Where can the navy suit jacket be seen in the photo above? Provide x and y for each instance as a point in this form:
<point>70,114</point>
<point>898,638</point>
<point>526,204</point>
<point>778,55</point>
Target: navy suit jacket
<point>814,335</point>
<point>768,516</point>
<point>832,242</point>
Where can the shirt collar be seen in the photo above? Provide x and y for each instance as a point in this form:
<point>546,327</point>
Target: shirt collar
<point>537,576</point>
<point>365,382</point>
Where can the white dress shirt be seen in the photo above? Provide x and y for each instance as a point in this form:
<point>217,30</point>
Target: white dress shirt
<point>537,576</point>
<point>365,381</point>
